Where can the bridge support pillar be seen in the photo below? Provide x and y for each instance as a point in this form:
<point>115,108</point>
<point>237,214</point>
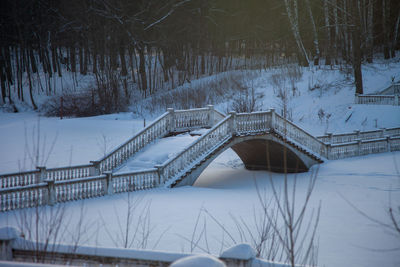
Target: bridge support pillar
<point>51,192</point>
<point>95,168</point>
<point>232,123</point>
<point>211,120</point>
<point>160,174</point>
<point>171,112</point>
<point>42,174</point>
<point>272,126</point>
<point>109,184</point>
<point>389,149</point>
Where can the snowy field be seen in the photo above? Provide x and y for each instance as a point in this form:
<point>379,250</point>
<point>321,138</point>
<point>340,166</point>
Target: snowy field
<point>344,188</point>
<point>226,189</point>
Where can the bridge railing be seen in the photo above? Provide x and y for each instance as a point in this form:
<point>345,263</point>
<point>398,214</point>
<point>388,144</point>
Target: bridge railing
<point>252,122</point>
<point>168,122</point>
<point>377,99</point>
<point>41,173</point>
<point>288,129</point>
<point>50,192</point>
<point>363,147</point>
<point>356,135</point>
<point>157,129</point>
<point>192,154</point>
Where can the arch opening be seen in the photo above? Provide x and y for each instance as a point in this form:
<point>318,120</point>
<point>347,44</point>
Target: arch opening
<point>265,152</point>
<point>261,154</point>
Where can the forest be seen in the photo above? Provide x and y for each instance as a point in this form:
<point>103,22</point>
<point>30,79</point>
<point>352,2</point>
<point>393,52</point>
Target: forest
<point>149,46</point>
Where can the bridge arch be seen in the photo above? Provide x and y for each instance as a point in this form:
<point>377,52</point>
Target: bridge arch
<point>255,152</point>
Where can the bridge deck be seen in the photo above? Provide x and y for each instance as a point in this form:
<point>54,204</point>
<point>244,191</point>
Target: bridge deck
<point>160,151</point>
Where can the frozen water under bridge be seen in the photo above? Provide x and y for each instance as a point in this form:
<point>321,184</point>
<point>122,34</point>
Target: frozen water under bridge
<point>262,140</point>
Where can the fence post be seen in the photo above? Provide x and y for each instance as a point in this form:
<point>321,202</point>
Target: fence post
<point>109,183</point>
<point>171,120</point>
<point>357,133</point>
<point>383,132</point>
<point>272,126</point>
<point>389,149</point>
<point>42,175</point>
<point>160,174</point>
<point>357,99</point>
<point>330,137</point>
<point>95,168</point>
<point>232,123</point>
<point>396,100</point>
<point>210,115</point>
<point>359,147</point>
<point>328,151</point>
<point>51,192</point>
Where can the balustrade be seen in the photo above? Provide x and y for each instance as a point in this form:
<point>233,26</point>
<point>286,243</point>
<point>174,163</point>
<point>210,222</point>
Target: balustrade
<point>255,122</point>
<point>217,135</point>
<point>288,129</point>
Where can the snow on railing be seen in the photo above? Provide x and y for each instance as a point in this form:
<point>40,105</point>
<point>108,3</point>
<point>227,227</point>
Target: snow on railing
<point>18,249</point>
<point>246,123</point>
<point>377,99</point>
<point>363,147</point>
<point>133,181</point>
<point>41,173</point>
<point>157,129</point>
<point>288,129</point>
<point>50,192</point>
<point>358,135</point>
<point>174,167</point>
<point>192,118</point>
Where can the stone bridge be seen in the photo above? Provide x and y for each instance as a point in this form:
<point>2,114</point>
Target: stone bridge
<point>262,140</point>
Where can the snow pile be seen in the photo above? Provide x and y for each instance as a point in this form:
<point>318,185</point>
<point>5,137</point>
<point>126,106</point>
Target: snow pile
<point>198,261</point>
<point>240,252</point>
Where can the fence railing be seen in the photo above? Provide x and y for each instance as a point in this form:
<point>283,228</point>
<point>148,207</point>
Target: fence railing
<point>357,135</point>
<point>157,129</point>
<point>24,251</point>
<point>170,121</point>
<point>363,147</point>
<point>288,129</point>
<point>192,154</point>
<point>377,99</point>
<point>41,174</point>
<point>247,123</point>
<point>50,192</point>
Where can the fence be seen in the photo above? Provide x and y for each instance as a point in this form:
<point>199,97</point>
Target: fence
<point>363,147</point>
<point>358,135</point>
<point>377,99</point>
<point>15,248</point>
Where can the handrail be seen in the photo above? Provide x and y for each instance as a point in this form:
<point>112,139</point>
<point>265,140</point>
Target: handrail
<point>195,150</point>
<point>134,144</point>
<point>364,135</point>
<point>301,136</point>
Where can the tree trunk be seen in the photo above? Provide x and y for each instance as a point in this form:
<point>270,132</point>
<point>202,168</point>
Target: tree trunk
<point>356,36</point>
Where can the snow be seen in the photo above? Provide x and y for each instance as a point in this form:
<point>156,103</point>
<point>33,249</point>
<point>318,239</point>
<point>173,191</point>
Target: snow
<point>241,252</point>
<point>9,233</point>
<point>198,261</point>
<point>345,188</point>
<point>159,152</point>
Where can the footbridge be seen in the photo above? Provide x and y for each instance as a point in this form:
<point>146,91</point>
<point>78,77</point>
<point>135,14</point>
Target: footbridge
<point>262,140</point>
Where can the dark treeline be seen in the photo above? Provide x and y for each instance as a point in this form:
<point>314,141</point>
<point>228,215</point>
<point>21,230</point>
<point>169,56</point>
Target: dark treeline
<point>159,44</point>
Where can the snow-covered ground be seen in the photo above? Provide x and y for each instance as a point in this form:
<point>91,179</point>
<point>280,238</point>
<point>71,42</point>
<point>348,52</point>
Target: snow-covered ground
<point>226,189</point>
